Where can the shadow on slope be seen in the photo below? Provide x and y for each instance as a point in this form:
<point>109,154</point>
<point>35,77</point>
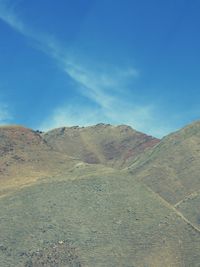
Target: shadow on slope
<point>115,146</point>
<point>172,167</point>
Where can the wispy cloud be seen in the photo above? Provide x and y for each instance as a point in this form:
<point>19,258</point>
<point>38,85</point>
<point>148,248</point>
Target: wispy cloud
<point>107,87</point>
<point>8,16</point>
<point>5,116</point>
<point>71,115</point>
<point>103,87</point>
<point>139,117</point>
<point>42,41</point>
<point>76,70</point>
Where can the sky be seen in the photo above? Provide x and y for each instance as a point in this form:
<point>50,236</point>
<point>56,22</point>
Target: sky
<point>83,62</point>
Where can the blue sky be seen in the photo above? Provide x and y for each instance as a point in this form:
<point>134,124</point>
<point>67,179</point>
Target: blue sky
<point>81,62</point>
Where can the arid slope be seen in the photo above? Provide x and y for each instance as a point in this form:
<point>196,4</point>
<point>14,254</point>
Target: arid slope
<point>172,171</point>
<point>115,146</point>
<point>172,167</point>
<point>79,211</point>
<point>26,157</point>
<point>107,219</point>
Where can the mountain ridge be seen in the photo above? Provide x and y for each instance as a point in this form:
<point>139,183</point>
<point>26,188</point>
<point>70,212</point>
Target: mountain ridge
<point>102,143</point>
<point>69,212</point>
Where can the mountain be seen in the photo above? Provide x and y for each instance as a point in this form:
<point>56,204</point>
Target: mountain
<point>101,196</point>
<point>115,146</point>
<point>172,168</point>
<point>25,157</point>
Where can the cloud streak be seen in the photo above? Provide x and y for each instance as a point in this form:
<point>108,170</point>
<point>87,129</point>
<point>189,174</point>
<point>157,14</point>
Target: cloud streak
<point>8,16</point>
<point>5,116</point>
<point>96,85</point>
<point>106,86</point>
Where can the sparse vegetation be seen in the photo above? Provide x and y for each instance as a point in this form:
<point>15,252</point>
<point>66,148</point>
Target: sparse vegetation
<point>56,210</point>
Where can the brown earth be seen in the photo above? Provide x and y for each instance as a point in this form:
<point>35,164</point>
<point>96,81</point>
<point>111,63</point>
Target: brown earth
<point>25,157</point>
<point>114,146</point>
<point>99,196</point>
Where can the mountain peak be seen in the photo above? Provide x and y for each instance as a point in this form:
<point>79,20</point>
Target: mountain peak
<point>100,143</point>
